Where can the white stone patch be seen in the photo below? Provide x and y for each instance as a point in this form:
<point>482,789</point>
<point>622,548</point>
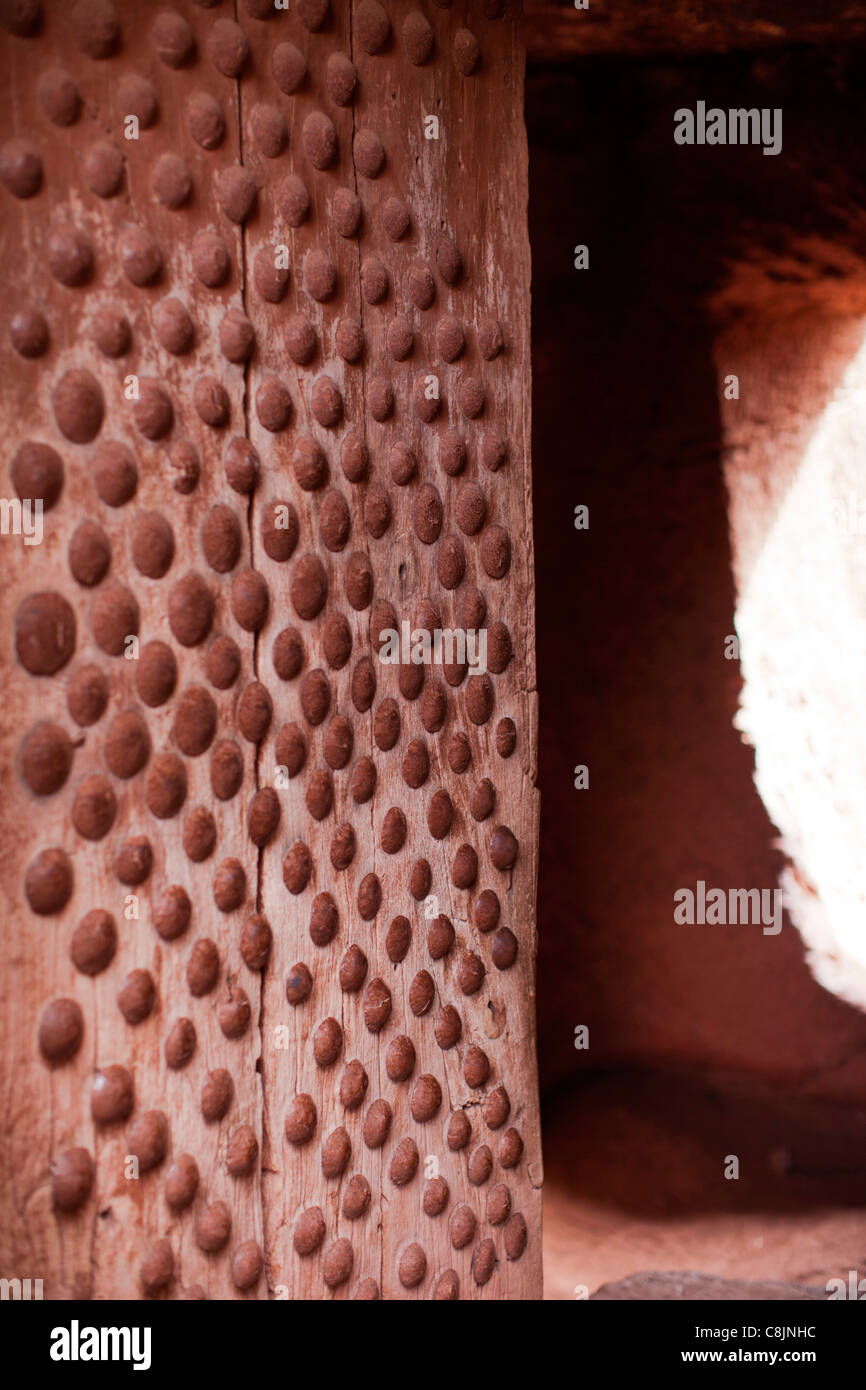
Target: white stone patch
<point>801,619</point>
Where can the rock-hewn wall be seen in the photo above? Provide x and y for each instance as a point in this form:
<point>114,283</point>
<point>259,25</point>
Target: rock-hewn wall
<point>703,262</point>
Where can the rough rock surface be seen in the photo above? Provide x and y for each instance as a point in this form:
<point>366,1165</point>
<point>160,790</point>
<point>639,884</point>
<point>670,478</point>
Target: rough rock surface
<point>691,1287</point>
<point>559,29</point>
<point>639,1176</point>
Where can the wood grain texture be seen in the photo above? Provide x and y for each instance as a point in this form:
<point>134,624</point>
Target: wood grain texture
<point>334,349</point>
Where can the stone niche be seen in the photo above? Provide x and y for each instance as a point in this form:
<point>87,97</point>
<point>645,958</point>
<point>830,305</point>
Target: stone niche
<point>701,388</point>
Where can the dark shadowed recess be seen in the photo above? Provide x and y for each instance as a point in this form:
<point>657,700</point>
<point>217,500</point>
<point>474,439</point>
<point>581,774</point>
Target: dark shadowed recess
<point>633,613</point>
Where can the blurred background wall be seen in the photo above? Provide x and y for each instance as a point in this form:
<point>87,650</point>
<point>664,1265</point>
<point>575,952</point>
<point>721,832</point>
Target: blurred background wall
<point>704,1040</point>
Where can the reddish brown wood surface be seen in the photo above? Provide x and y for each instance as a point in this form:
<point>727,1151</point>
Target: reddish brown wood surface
<point>98,228</point>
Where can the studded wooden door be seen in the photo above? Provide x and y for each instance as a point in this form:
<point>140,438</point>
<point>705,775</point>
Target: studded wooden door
<point>269,852</point>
